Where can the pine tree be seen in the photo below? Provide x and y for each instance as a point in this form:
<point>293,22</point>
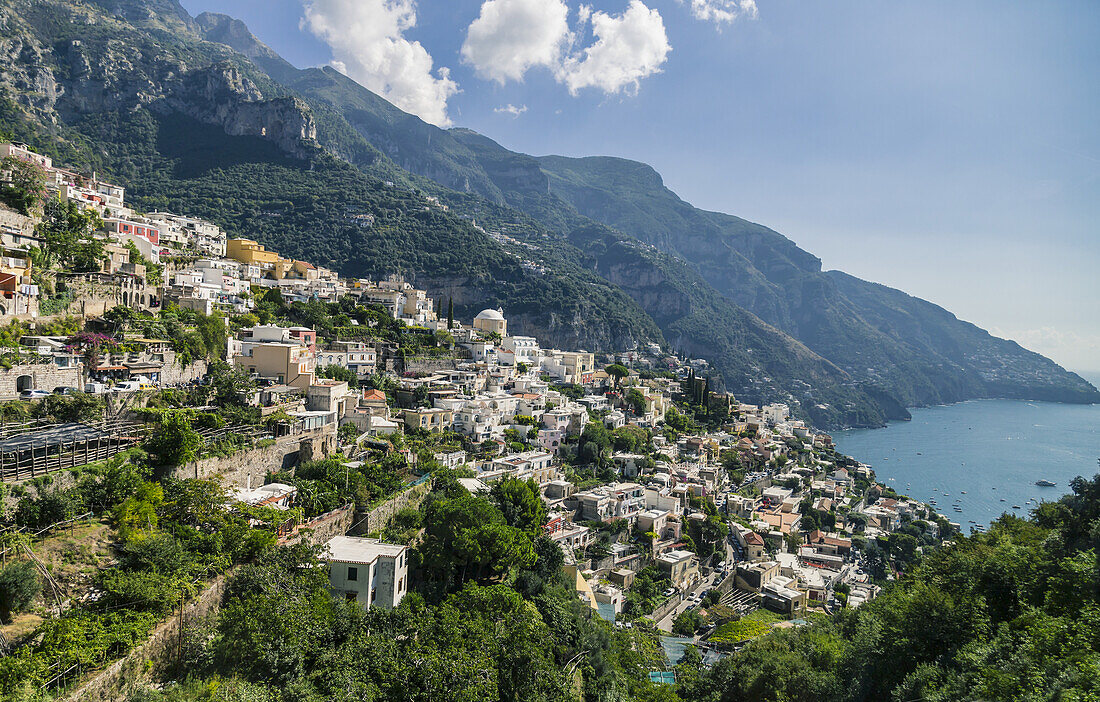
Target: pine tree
<point>450,313</point>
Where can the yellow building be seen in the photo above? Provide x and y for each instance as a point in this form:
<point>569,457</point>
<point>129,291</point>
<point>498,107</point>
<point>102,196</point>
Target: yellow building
<point>285,363</point>
<point>16,263</point>
<point>432,419</point>
<point>248,251</point>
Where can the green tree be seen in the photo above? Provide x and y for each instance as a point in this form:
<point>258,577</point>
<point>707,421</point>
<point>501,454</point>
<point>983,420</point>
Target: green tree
<point>67,233</point>
<point>336,372</point>
<point>595,444</point>
<point>630,438</point>
<point>231,386</point>
<point>348,433</point>
<point>211,328</point>
<point>25,188</point>
<point>466,538</point>
<point>617,372</point>
<point>521,505</point>
<point>636,400</point>
<point>19,586</point>
<point>138,511</point>
<point>173,441</point>
<point>687,622</point>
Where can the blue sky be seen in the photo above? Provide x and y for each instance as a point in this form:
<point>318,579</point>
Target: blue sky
<point>949,149</point>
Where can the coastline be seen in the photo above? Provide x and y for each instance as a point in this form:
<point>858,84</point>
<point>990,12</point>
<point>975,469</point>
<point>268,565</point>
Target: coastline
<point>981,452</point>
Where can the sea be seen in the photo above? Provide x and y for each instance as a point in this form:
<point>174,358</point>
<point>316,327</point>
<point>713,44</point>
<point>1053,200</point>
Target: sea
<point>983,456</point>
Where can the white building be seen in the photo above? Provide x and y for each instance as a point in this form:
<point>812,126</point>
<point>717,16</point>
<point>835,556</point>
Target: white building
<point>373,573</point>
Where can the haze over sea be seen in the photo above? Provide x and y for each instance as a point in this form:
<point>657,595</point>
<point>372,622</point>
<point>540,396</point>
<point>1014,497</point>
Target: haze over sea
<point>995,450</point>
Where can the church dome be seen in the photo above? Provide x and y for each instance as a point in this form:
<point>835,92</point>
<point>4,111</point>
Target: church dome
<point>495,315</point>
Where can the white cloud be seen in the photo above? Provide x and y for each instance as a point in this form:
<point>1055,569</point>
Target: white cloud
<point>368,43</point>
<point>510,109</point>
<point>722,11</point>
<point>628,47</point>
<point>511,36</point>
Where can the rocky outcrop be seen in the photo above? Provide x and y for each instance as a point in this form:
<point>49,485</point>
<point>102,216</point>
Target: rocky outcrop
<point>222,95</point>
<point>112,68</point>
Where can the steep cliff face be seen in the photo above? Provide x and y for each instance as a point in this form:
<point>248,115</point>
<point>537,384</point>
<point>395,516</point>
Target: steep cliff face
<point>93,63</point>
<point>221,95</point>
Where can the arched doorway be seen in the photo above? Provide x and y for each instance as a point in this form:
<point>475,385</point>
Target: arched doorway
<point>24,382</point>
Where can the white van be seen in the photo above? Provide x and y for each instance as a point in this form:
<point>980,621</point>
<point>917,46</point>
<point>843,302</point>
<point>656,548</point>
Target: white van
<point>127,386</point>
<point>96,388</point>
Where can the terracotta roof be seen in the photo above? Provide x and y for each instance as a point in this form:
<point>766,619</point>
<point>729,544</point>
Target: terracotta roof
<point>754,539</point>
<point>374,395</point>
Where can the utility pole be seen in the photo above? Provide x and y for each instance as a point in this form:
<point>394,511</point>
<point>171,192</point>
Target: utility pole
<point>179,645</point>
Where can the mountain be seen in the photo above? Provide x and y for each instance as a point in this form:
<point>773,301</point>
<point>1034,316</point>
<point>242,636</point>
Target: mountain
<point>918,351</point>
<point>198,116</point>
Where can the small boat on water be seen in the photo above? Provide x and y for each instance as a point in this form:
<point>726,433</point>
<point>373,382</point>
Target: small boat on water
<point>964,492</point>
<point>1015,506</point>
<point>1045,483</point>
<point>1002,499</point>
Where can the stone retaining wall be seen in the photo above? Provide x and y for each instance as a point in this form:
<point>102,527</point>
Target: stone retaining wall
<point>43,376</point>
<point>662,611</point>
<point>379,517</point>
<point>248,468</point>
<point>321,529</point>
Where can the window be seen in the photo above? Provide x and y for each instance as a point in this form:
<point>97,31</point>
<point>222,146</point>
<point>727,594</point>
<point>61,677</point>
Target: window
<point>353,573</point>
<point>400,586</point>
<point>351,596</point>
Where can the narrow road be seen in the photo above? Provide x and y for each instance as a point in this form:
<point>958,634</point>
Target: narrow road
<point>705,583</point>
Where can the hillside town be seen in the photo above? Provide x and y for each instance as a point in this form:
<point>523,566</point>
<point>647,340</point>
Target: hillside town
<point>330,410</point>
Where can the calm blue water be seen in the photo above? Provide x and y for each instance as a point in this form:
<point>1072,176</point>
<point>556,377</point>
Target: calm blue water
<point>992,449</point>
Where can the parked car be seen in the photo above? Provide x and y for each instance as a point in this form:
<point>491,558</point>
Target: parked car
<point>126,386</point>
<point>65,390</point>
<point>96,388</point>
<point>33,394</point>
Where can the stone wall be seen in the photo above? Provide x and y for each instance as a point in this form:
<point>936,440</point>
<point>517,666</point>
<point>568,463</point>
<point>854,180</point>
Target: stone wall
<point>428,365</point>
<point>244,468</point>
<point>321,529</point>
<point>249,468</point>
<point>379,517</point>
<point>125,676</point>
<point>96,293</point>
<point>174,374</point>
<point>662,611</point>
<point>43,376</point>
